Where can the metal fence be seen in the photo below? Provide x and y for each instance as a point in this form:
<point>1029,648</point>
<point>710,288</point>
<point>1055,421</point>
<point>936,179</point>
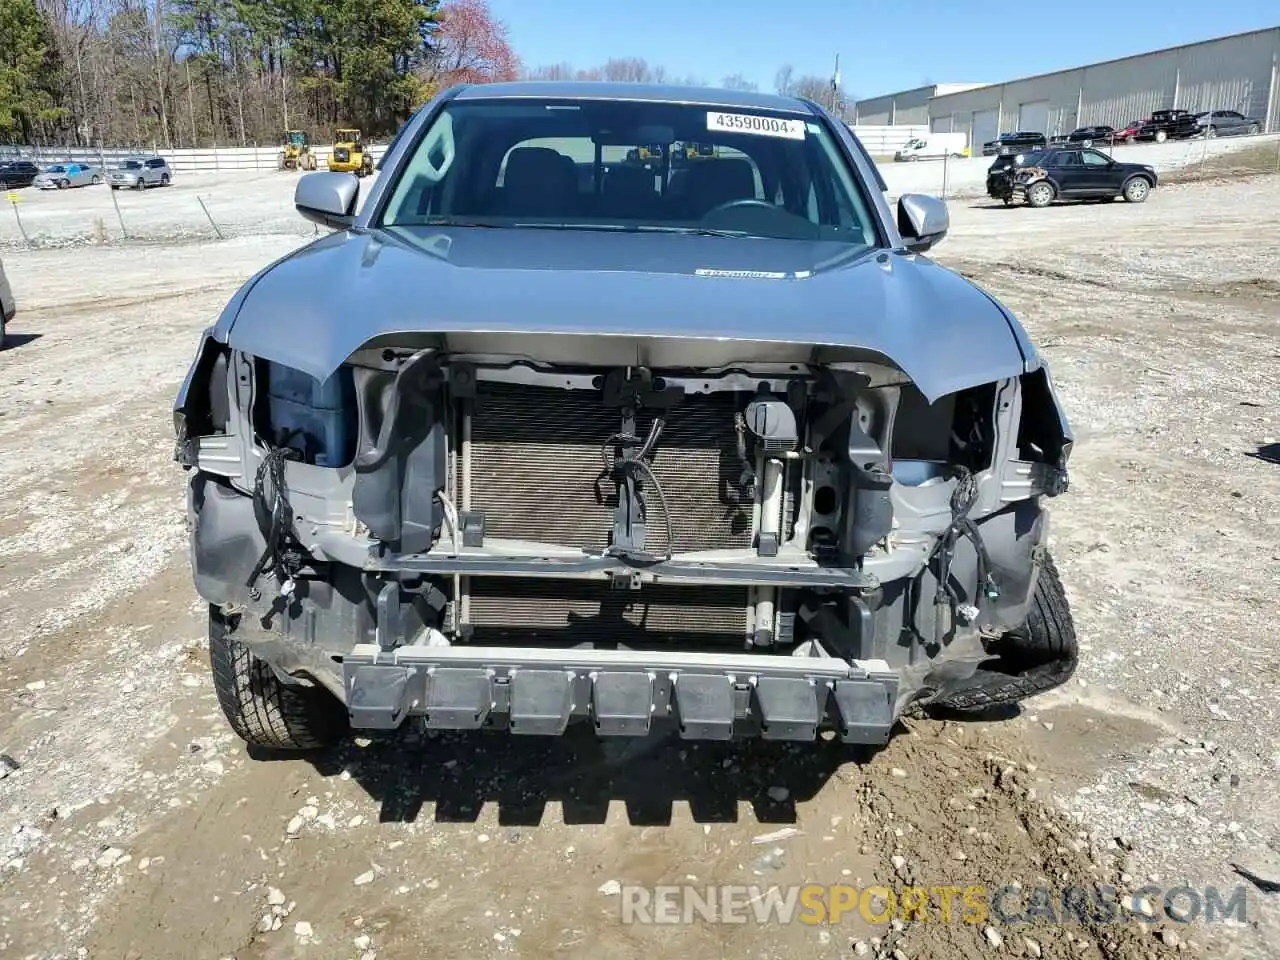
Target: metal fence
<point>203,160</point>
<point>257,201</point>
<point>879,141</point>
<point>885,141</point>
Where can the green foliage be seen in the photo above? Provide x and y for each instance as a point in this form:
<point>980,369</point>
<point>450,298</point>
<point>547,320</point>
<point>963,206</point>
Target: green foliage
<point>353,58</point>
<point>28,70</point>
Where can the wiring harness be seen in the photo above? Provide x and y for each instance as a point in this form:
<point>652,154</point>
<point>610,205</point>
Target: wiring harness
<point>962,499</point>
<point>629,470</point>
<point>282,555</point>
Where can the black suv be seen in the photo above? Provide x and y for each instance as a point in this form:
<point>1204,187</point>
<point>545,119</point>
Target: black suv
<point>1057,173</point>
<point>1088,136</point>
<point>1018,142</point>
<point>1169,125</point>
<point>17,173</point>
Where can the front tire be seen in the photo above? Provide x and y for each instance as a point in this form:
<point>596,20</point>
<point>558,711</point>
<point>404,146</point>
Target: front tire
<point>1040,194</point>
<point>261,710</point>
<point>1040,656</point>
<point>164,180</point>
<point>1161,136</point>
<point>1136,190</point>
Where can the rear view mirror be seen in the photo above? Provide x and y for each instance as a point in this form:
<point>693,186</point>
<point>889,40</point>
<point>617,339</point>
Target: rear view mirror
<point>923,221</point>
<point>328,199</point>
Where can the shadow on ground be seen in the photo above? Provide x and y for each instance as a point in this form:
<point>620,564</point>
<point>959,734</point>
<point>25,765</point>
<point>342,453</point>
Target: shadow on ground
<point>13,341</point>
<point>459,773</point>
<point>1268,453</point>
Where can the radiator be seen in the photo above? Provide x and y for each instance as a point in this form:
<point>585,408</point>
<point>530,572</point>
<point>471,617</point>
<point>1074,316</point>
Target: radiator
<point>538,474</point>
<point>533,611</point>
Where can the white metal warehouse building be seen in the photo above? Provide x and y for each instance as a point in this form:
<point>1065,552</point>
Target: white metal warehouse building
<point>910,107</point>
<point>1239,72</point>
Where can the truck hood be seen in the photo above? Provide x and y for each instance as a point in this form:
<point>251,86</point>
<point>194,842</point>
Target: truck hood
<point>314,308</point>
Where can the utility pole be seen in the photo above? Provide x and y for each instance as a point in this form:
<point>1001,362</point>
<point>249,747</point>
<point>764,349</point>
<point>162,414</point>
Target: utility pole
<point>835,88</point>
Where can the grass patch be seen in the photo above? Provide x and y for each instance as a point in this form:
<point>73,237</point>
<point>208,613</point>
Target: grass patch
<point>1261,158</point>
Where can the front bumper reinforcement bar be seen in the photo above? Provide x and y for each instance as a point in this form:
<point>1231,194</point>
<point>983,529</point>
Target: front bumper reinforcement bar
<point>621,692</point>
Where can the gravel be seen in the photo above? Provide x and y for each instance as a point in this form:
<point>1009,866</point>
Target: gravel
<point>1160,321</point>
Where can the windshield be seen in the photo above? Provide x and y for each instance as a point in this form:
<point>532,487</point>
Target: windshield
<point>56,168</point>
<point>130,165</point>
<point>609,165</point>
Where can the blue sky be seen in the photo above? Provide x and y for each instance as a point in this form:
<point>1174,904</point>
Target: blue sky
<point>884,45</point>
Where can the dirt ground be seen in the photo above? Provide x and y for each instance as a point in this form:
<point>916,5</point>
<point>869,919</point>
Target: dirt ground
<point>133,824</point>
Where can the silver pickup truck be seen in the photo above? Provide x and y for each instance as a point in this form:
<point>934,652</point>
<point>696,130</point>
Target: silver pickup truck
<point>554,430</point>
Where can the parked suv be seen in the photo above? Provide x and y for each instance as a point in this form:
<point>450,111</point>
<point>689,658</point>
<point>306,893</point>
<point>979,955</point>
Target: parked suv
<point>1044,176</point>
<point>1088,136</point>
<point>18,173</point>
<point>1227,123</point>
<point>1170,125</point>
<point>140,173</point>
<point>1017,142</point>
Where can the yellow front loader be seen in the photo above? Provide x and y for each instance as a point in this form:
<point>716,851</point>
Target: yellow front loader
<point>350,154</point>
<point>296,154</point>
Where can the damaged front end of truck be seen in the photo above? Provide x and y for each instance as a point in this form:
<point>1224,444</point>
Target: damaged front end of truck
<point>525,530</point>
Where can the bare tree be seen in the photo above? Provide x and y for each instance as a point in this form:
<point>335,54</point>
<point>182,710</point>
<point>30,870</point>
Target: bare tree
<point>783,80</point>
<point>736,81</point>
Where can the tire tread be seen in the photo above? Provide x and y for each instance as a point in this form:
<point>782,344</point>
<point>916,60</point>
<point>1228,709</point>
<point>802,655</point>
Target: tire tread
<point>1043,657</point>
<point>260,709</point>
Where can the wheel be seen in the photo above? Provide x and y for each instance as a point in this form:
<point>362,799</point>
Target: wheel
<point>114,187</point>
<point>1008,201</point>
<point>1040,194</point>
<point>1136,189</point>
<point>1253,129</point>
<point>261,710</point>
<point>1210,132</point>
<point>140,185</point>
<point>1039,656</point>
<point>164,179</point>
<point>95,180</point>
<point>63,184</point>
<point>1161,136</point>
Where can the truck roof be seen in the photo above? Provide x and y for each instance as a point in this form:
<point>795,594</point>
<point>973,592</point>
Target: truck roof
<point>647,92</point>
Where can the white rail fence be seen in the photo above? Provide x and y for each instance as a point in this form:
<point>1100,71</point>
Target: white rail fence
<point>879,141</point>
<point>883,141</point>
<point>210,160</point>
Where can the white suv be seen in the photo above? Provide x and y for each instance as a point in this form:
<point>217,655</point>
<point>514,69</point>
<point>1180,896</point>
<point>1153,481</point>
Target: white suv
<point>140,172</point>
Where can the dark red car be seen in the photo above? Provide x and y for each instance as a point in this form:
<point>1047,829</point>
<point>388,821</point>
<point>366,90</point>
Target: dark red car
<point>1127,133</point>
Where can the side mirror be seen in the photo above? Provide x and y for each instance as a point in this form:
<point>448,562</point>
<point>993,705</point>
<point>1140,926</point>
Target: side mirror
<point>923,221</point>
<point>328,199</point>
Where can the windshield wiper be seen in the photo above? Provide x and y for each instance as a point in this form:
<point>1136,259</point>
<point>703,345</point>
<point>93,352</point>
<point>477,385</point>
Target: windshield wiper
<point>448,222</point>
<point>638,228</point>
<point>438,221</point>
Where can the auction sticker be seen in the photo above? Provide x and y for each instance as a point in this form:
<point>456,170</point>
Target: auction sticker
<point>750,123</point>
